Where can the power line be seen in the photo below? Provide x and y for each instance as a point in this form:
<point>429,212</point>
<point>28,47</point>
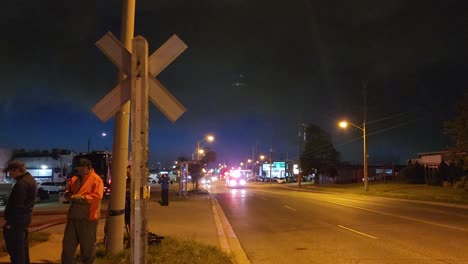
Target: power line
<point>388,117</point>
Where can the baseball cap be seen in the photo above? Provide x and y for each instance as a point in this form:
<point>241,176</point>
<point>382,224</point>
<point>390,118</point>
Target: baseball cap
<point>83,163</point>
<point>14,164</point>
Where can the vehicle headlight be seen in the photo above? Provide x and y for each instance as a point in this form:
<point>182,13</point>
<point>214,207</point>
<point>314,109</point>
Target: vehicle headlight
<point>233,182</point>
<point>242,182</point>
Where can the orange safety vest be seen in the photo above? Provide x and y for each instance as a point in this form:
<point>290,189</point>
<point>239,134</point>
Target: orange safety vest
<point>91,188</point>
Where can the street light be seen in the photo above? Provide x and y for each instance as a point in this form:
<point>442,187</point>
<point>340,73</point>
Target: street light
<point>209,138</point>
<point>345,124</point>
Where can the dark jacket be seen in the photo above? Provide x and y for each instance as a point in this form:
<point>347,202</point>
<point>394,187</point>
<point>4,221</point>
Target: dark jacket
<point>164,181</point>
<point>19,207</point>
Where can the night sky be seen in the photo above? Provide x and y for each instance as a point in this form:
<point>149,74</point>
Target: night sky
<point>252,72</point>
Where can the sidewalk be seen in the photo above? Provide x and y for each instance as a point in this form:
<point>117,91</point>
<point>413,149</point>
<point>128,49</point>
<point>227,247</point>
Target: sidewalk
<point>190,217</point>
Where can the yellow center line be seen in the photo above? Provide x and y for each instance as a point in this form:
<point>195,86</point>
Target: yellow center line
<point>357,232</point>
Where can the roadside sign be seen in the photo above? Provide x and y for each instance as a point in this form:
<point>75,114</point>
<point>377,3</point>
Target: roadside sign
<point>157,62</point>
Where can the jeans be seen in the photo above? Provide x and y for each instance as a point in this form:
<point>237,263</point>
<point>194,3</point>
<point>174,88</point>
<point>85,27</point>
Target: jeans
<point>16,240</point>
<point>165,196</point>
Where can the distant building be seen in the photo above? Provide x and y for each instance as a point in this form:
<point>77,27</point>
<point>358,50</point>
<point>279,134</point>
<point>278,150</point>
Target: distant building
<point>430,159</point>
<point>45,166</point>
<point>355,173</point>
<point>5,157</point>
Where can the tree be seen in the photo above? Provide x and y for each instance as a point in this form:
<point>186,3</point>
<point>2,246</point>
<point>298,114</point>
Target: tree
<point>414,173</point>
<point>457,129</point>
<point>209,156</point>
<point>319,156</point>
<point>195,169</point>
<point>182,159</point>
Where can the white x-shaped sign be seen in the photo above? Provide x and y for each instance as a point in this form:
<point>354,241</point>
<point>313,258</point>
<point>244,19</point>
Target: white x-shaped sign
<point>157,62</point>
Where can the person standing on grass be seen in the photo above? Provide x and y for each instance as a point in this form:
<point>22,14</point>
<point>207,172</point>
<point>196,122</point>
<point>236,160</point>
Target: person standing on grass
<point>18,212</point>
<point>85,193</point>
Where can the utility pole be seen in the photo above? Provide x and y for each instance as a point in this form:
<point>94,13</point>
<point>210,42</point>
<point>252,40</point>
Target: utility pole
<point>139,119</point>
<point>301,136</point>
<point>115,222</point>
<point>364,120</point>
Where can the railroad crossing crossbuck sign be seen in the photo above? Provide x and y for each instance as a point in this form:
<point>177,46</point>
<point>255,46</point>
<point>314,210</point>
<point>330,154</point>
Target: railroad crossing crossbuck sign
<point>157,62</point>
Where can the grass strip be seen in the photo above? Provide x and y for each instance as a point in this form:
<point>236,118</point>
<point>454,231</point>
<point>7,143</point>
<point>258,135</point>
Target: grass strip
<point>172,251</point>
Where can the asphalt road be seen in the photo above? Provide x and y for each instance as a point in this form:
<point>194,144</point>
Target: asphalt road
<point>279,225</point>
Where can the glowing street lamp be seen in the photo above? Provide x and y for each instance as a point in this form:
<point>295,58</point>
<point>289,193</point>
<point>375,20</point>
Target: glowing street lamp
<point>209,138</point>
<point>344,124</point>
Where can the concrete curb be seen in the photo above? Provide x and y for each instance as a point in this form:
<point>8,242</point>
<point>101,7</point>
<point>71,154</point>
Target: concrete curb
<point>229,243</point>
<point>219,227</point>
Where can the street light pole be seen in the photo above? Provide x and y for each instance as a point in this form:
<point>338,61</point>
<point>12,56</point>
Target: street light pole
<point>364,121</point>
<point>344,124</point>
<point>209,138</point>
<point>366,178</point>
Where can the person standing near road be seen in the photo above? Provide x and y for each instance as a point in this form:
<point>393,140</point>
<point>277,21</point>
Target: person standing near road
<point>85,193</point>
<point>164,181</point>
<point>18,212</point>
<point>128,188</point>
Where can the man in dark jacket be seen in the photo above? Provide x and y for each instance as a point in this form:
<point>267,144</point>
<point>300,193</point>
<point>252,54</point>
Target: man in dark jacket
<point>164,181</point>
<point>18,212</point>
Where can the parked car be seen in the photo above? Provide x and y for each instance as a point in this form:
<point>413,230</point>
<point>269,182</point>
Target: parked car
<point>3,199</point>
<point>41,196</point>
<point>54,187</point>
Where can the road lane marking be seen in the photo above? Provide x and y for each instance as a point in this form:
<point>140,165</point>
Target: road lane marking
<point>379,212</point>
<point>403,217</point>
<point>357,232</point>
<point>290,208</point>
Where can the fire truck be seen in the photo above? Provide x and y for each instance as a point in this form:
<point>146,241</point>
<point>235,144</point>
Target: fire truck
<point>236,179</point>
